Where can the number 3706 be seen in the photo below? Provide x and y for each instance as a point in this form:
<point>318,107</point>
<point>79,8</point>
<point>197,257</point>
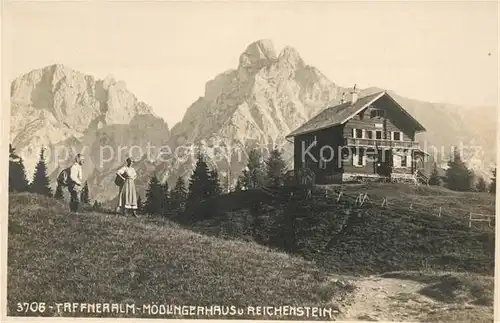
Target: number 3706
<point>34,307</point>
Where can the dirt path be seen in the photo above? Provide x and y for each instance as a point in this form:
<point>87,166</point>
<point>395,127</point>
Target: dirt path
<point>388,299</point>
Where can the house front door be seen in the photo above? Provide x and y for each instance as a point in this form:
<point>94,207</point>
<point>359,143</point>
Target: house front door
<point>384,162</point>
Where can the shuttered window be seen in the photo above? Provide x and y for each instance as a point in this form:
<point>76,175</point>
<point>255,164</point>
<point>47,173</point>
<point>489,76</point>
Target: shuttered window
<point>357,133</point>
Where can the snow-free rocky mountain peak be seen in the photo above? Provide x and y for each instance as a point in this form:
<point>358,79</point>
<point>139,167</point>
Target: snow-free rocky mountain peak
<point>256,104</point>
<point>68,112</point>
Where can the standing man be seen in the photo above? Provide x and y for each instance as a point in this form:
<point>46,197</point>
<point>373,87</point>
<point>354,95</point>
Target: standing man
<point>75,183</point>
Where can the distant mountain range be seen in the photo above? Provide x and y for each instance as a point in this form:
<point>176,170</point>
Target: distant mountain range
<point>266,97</point>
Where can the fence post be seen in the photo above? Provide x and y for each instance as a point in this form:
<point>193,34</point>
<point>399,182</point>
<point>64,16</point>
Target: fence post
<point>470,220</point>
<point>439,215</point>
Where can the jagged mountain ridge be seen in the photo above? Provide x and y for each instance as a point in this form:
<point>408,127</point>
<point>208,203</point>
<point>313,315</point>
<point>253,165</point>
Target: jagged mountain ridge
<point>256,104</point>
<point>68,112</point>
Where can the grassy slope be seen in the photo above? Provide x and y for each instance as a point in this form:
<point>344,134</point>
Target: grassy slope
<point>397,238</point>
<point>392,238</point>
<point>57,256</point>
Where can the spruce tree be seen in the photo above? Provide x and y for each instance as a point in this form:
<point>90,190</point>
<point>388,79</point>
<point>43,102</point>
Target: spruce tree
<point>493,184</point>
<point>275,169</point>
<point>253,175</point>
<point>458,176</point>
<point>154,197</point>
<point>179,194</point>
<point>17,174</point>
<point>85,195</point>
<point>59,193</point>
<point>40,184</point>
<point>238,186</point>
<point>434,178</point>
<point>214,187</point>
<point>481,185</point>
<point>165,204</point>
<point>199,183</point>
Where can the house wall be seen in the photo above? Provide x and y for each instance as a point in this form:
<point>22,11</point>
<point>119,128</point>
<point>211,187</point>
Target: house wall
<point>301,143</point>
<point>393,120</point>
<point>390,122</point>
<point>327,146</point>
<point>335,137</point>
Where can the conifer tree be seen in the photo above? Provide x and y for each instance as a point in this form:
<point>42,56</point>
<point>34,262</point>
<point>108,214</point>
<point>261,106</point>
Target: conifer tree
<point>275,168</point>
<point>481,185</point>
<point>165,206</point>
<point>237,188</point>
<point>458,176</point>
<point>434,178</point>
<point>493,184</point>
<point>200,182</point>
<point>17,174</point>
<point>40,184</point>
<point>253,175</point>
<point>214,187</point>
<point>179,193</point>
<point>85,195</point>
<point>59,193</point>
<point>154,197</point>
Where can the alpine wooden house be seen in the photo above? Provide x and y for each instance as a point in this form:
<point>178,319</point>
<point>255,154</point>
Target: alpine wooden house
<point>367,138</point>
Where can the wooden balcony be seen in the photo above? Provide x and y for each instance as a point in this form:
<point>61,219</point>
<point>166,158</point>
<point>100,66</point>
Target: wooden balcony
<point>382,143</point>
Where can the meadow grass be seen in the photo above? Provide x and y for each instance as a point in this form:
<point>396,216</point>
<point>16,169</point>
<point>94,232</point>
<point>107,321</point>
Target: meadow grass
<point>56,256</point>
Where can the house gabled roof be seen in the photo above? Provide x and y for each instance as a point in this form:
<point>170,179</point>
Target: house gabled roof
<point>340,114</point>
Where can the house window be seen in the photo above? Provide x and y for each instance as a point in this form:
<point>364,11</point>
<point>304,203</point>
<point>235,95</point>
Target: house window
<point>358,158</point>
<point>402,159</point>
<point>378,134</point>
<point>377,113</point>
<point>397,135</point>
<point>357,133</point>
<point>396,161</point>
<point>406,159</point>
<point>369,134</point>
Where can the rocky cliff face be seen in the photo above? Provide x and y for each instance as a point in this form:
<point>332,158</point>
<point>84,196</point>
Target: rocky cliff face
<point>68,112</point>
<point>256,104</point>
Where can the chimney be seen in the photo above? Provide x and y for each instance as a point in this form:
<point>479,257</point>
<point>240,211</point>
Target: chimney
<point>354,94</point>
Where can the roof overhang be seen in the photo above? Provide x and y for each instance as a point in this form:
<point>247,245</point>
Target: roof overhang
<point>313,130</point>
<point>418,126</point>
<point>423,152</point>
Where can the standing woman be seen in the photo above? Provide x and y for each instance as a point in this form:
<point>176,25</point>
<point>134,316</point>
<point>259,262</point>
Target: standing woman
<point>127,198</point>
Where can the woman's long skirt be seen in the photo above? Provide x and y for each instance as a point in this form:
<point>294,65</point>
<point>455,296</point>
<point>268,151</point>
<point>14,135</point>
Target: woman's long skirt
<point>128,196</point>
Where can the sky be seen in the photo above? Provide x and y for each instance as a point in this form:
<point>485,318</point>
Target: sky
<point>166,51</point>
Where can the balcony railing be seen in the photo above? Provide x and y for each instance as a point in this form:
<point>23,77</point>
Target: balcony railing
<point>383,143</point>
